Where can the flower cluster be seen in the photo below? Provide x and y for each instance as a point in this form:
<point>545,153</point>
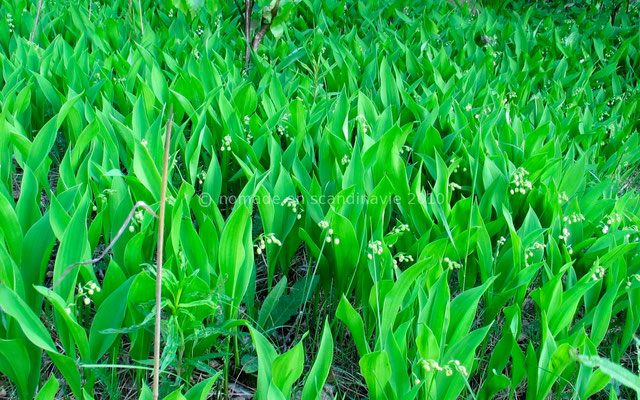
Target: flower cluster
<point>10,23</point>
<point>293,203</point>
<point>520,183</point>
<point>171,13</point>
<point>510,96</point>
<point>196,53</point>
<point>626,94</point>
<point>408,149</point>
<point>247,128</point>
<point>497,55</point>
<point>603,116</point>
<point>631,278</point>
<point>329,238</point>
<point>263,240</point>
<point>376,248</point>
<point>103,196</point>
<point>569,249</point>
<point>598,273</point>
<point>429,365</point>
<point>573,218</point>
<point>577,91</point>
<point>400,228</point>
<point>451,265</point>
<point>137,219</point>
<point>454,186</point>
<point>283,131</point>
<point>363,123</point>
<point>613,218</point>
<point>455,170</point>
<point>325,225</point>
<point>226,143</point>
<point>565,234</point>
<point>400,258</point>
<point>635,230</point>
<point>202,176</point>
<point>608,54</point>
<point>562,198</point>
<point>86,292</point>
<point>199,31</point>
<point>528,253</point>
<point>139,216</point>
<point>502,241</point>
<point>345,160</point>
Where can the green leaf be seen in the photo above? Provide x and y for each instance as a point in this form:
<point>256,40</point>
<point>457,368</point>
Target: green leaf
<point>235,258</point>
<point>15,364</point>
<point>615,371</point>
<point>348,315</point>
<point>32,327</point>
<point>11,230</point>
<point>49,390</point>
<point>110,315</point>
<point>320,370</point>
<point>376,371</point>
<point>288,367</point>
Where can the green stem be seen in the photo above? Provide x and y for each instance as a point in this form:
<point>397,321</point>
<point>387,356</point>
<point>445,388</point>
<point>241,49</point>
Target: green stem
<point>226,368</point>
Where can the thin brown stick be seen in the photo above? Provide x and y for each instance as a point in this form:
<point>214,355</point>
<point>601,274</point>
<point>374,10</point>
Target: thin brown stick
<point>141,24</point>
<point>140,204</point>
<point>130,18</point>
<point>35,23</point>
<point>163,198</point>
<point>265,26</point>
<point>248,9</point>
<point>90,3</point>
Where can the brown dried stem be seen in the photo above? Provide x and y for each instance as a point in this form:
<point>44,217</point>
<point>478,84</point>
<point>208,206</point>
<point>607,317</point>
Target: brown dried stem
<point>140,204</point>
<point>35,23</point>
<point>163,199</point>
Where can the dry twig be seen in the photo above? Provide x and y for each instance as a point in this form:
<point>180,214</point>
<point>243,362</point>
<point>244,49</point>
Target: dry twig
<point>163,199</point>
<point>35,23</point>
<point>140,204</point>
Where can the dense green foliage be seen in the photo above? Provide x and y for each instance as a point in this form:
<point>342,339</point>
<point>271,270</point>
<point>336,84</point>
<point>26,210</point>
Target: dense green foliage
<point>391,200</point>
